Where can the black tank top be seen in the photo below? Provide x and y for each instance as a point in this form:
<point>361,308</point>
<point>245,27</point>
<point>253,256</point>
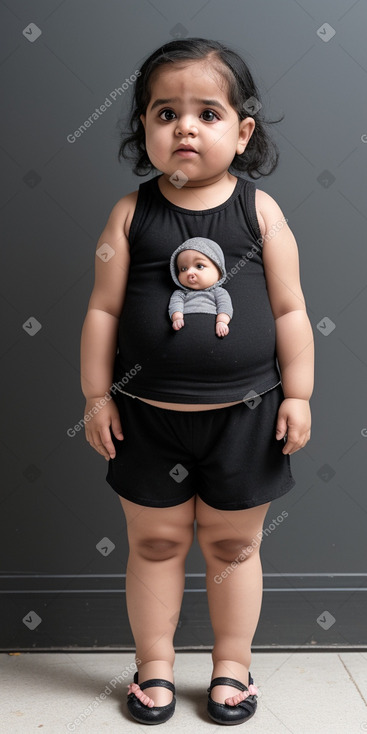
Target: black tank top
<point>194,365</point>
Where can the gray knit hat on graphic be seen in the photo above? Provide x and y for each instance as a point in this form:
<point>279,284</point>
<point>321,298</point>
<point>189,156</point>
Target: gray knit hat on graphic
<point>207,247</point>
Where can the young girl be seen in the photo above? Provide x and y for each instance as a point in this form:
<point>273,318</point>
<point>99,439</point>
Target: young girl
<point>196,426</point>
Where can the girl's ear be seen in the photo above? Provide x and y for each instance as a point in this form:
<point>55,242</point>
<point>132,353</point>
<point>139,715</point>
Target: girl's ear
<point>142,120</point>
<point>247,127</point>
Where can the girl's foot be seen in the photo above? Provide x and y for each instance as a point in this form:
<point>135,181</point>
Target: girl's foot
<point>135,688</point>
<point>156,695</point>
<point>228,694</point>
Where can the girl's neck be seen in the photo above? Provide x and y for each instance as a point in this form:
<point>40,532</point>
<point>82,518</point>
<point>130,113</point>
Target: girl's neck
<point>197,195</point>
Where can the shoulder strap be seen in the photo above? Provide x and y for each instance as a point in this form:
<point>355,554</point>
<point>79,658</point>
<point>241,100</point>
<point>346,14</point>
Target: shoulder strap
<point>144,195</point>
<point>249,192</point>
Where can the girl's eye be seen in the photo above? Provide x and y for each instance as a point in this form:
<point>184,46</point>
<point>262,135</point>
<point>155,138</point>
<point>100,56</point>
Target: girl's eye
<point>165,112</point>
<point>183,269</point>
<point>200,266</point>
<point>210,112</point>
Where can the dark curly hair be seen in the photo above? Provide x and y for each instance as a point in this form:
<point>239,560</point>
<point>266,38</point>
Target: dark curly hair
<point>261,154</point>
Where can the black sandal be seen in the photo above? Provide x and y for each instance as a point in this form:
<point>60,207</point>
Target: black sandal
<point>154,714</point>
<point>222,713</point>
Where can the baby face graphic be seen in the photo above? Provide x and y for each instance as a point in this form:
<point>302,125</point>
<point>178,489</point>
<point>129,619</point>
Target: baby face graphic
<point>196,271</point>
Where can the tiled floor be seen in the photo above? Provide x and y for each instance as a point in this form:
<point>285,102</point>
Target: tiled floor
<point>300,693</point>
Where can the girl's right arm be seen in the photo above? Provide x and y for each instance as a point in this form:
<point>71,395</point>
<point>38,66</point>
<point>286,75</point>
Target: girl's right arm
<point>99,332</point>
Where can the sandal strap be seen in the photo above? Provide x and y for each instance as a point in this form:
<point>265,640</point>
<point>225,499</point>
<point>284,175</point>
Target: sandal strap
<point>161,682</point>
<point>223,681</point>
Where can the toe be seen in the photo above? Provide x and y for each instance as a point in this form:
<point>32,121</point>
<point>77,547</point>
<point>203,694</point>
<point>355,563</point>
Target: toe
<point>234,700</point>
<point>146,700</point>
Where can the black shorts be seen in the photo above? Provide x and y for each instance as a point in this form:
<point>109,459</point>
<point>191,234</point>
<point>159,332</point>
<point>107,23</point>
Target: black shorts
<point>228,456</point>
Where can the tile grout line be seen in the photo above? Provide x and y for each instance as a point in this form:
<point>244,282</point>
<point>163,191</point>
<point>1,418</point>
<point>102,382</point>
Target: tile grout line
<point>353,681</point>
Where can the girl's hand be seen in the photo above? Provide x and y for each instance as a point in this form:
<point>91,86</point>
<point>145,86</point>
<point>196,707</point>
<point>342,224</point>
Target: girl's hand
<point>97,429</point>
<point>294,419</point>
<point>221,329</point>
<point>178,324</point>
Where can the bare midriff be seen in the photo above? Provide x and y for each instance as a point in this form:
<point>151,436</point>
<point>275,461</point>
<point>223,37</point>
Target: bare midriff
<point>187,406</point>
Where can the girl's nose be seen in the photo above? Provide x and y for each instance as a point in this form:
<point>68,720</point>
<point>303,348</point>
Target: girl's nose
<point>186,125</point>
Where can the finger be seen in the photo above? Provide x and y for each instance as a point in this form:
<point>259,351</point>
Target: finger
<point>99,447</point>
<point>281,427</point>
<point>305,440</point>
<point>116,428</point>
<point>107,443</point>
<point>96,442</point>
<point>288,448</point>
<point>295,441</point>
<point>289,443</point>
<point>291,446</point>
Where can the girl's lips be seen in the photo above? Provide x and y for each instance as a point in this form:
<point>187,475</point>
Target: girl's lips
<point>186,153</point>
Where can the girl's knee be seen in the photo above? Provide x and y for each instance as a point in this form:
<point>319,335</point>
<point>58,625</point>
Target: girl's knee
<point>160,533</point>
<point>230,550</point>
<point>158,549</point>
<point>236,541</point>
<point>162,547</point>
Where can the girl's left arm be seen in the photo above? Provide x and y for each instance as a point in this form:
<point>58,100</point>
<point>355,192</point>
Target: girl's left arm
<point>294,336</point>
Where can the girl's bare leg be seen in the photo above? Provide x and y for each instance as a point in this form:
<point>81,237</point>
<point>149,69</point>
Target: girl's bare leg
<point>159,541</point>
<point>234,592</point>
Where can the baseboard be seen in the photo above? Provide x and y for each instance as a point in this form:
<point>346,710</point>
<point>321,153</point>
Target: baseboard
<point>43,612</point>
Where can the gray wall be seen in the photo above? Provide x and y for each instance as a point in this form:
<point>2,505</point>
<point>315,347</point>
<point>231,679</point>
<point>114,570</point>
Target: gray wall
<point>56,506</point>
